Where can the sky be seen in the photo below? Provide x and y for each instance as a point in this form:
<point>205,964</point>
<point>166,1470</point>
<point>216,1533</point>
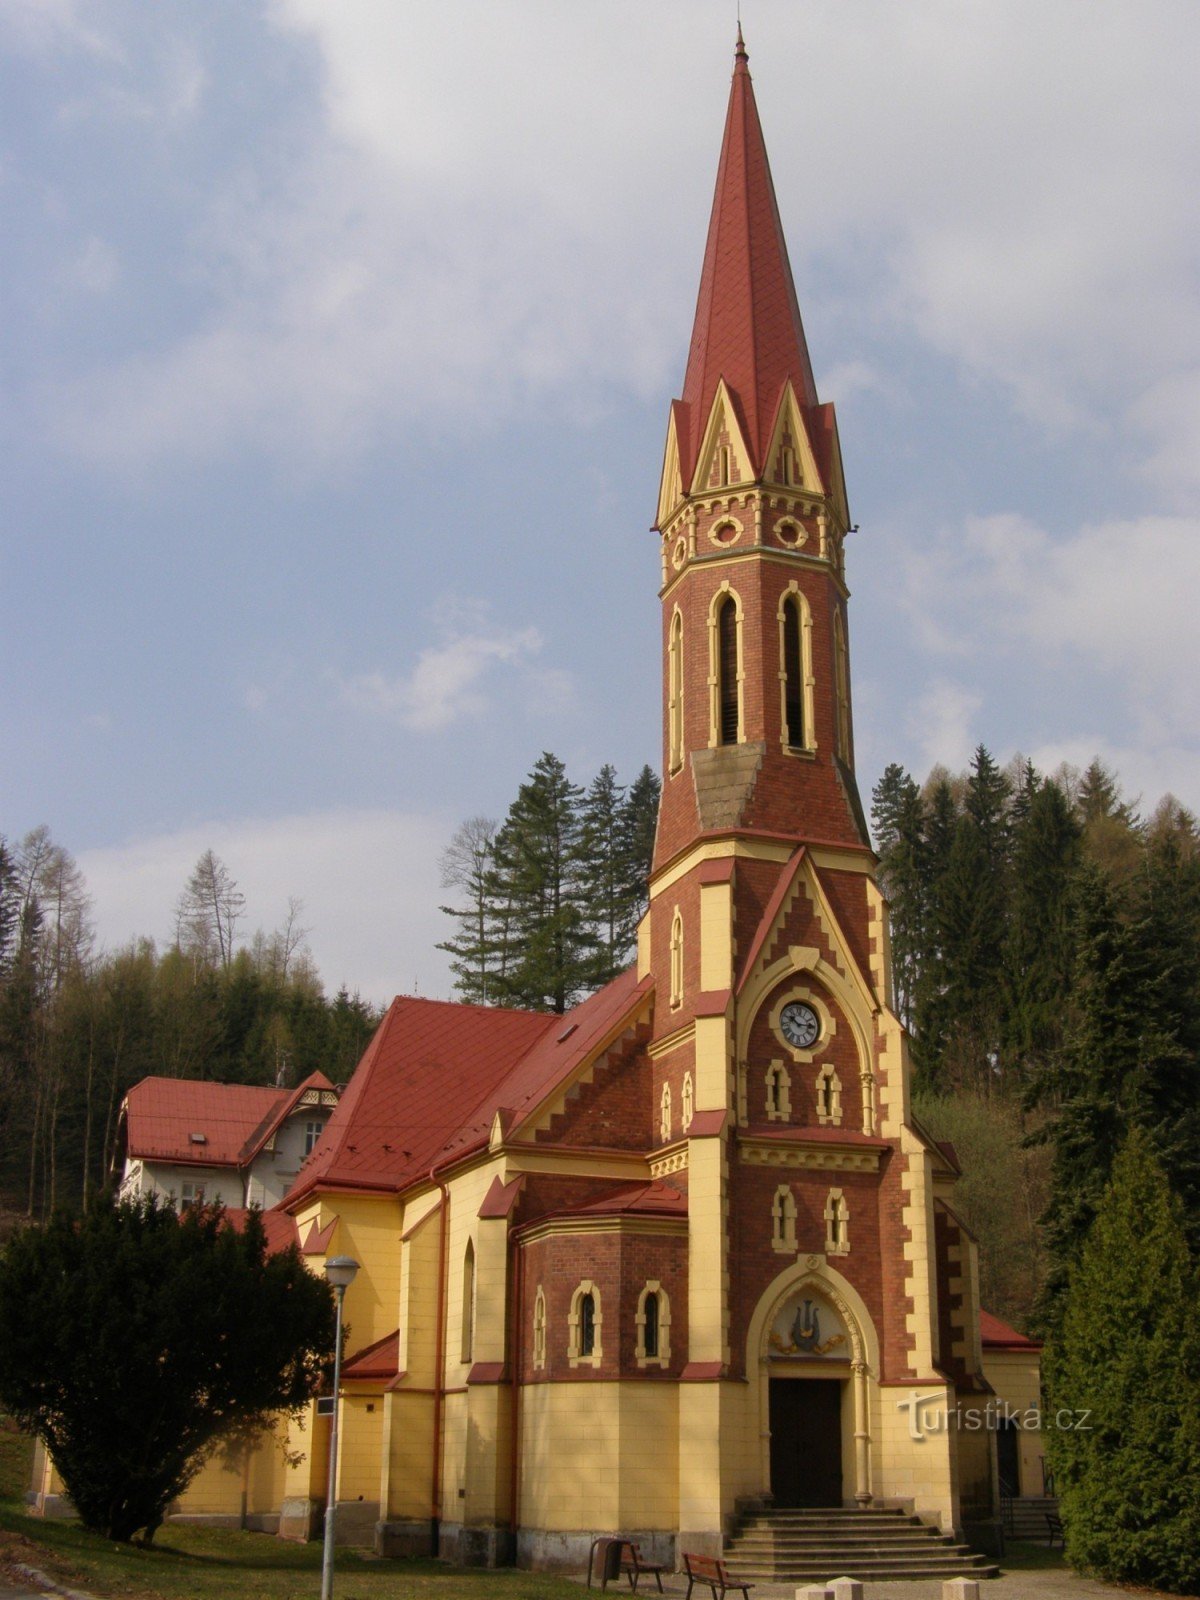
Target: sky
<point>336,348</point>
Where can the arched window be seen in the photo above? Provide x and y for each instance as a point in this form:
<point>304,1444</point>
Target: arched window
<point>676,959</point>
<point>783,1219</point>
<point>793,674</point>
<point>837,1224</point>
<point>664,1113</point>
<point>675,693</point>
<point>539,1329</point>
<point>797,720</point>
<point>829,1097</point>
<point>583,1326</point>
<point>468,1301</point>
<point>687,1101</point>
<point>653,1323</point>
<point>587,1325</point>
<point>727,672</point>
<point>650,1328</point>
<point>841,683</point>
<point>779,1100</point>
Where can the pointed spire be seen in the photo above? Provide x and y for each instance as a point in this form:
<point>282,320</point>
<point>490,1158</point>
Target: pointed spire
<point>747,328</point>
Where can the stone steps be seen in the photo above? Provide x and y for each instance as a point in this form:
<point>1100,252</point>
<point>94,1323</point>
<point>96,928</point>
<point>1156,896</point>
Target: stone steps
<point>818,1545</point>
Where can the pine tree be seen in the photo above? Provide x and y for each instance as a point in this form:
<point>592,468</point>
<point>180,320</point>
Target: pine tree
<point>639,825</point>
<point>536,875</point>
<point>1122,1375</point>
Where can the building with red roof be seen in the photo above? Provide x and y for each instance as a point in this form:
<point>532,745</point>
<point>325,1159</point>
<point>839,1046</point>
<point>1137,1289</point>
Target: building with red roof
<point>682,1253</point>
<point>230,1144</point>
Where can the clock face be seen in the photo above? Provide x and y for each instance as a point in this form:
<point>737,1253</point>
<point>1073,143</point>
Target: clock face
<point>799,1025</point>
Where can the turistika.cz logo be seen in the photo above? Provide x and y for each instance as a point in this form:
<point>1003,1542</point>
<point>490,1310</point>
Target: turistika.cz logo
<point>929,1413</point>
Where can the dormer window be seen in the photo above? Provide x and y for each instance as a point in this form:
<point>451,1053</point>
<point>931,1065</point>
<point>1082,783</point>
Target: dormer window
<point>312,1132</point>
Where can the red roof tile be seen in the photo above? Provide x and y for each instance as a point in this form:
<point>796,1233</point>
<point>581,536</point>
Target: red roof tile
<point>279,1228</point>
<point>997,1335</point>
<point>747,328</point>
<point>378,1360</point>
<point>434,1076</point>
<point>641,1199</point>
<point>163,1114</point>
<point>419,1082</point>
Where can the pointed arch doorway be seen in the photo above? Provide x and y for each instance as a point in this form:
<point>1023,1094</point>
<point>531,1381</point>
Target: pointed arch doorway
<point>815,1347</point>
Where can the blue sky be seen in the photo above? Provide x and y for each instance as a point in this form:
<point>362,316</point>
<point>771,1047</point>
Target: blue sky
<point>336,345</point>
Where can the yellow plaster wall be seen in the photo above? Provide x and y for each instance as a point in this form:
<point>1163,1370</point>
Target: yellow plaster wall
<point>921,1471</point>
<point>707,1273</point>
<point>488,1477</point>
<point>599,1455</point>
<point>716,935</point>
<point>417,1312</point>
<point>360,1446</point>
<point>409,1431</point>
<point>1016,1376</point>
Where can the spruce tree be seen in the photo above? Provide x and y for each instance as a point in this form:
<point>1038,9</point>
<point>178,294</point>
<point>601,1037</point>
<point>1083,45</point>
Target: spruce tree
<point>1122,1376</point>
<point>536,877</point>
<point>602,878</point>
<point>898,823</point>
<point>476,948</point>
<point>1039,945</point>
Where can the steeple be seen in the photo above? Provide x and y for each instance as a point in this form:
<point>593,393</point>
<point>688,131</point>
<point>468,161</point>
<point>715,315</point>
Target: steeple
<point>747,328</point>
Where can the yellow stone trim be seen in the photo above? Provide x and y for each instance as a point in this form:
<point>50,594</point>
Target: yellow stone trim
<point>637,1226</point>
<point>837,1224</point>
<point>790,420</point>
<point>671,1041</point>
<point>775,553</point>
<point>675,694</point>
<point>663,1358</point>
<point>717,850</point>
<point>561,1160</point>
<point>575,1353</point>
<point>670,488</point>
<point>778,1084</point>
<point>676,954</point>
<point>539,1329</point>
<point>538,1118</point>
<point>727,521</point>
<point>795,595</point>
<point>783,1220</point>
<point>723,593</point>
<point>675,1160</point>
<point>814,1157</point>
<point>722,418</point>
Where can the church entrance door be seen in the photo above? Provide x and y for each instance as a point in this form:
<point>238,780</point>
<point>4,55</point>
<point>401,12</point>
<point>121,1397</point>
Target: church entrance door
<point>806,1441</point>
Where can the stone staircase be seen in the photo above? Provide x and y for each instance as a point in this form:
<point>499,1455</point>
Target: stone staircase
<point>1027,1517</point>
<point>814,1546</point>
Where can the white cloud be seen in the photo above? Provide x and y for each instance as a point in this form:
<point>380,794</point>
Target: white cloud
<point>448,682</point>
<point>368,879</point>
<point>470,227</point>
<point>941,723</point>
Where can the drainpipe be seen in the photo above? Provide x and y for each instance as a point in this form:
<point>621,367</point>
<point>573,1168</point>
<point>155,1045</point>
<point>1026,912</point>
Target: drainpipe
<point>435,1514</point>
<point>516,1278</point>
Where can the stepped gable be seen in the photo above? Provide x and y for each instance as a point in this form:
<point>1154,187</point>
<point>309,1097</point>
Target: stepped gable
<point>747,328</point>
<point>163,1116</point>
<point>436,1074</point>
<point>571,1040</point>
<point>430,1060</point>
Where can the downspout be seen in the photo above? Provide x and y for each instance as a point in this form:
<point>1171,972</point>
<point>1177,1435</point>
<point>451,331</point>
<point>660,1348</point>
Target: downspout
<point>516,1277</point>
<point>435,1513</point>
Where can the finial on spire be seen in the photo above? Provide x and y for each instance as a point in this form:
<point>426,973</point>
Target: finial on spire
<point>740,53</point>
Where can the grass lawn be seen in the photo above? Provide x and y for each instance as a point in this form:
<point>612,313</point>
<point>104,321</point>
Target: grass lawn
<point>187,1563</point>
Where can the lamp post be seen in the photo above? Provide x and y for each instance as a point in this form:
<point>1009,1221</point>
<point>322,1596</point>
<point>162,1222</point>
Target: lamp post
<point>339,1273</point>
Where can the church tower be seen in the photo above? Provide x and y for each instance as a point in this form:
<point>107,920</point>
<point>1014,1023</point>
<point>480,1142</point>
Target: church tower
<point>816,1297</point>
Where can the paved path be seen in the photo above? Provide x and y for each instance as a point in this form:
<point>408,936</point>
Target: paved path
<point>1056,1584</point>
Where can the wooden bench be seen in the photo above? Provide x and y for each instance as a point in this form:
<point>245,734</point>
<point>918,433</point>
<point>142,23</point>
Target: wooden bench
<point>1053,1528</point>
<point>632,1565</point>
<point>713,1572</point>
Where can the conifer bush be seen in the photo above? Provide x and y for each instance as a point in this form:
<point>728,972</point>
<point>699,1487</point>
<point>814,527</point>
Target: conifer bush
<point>1122,1374</point>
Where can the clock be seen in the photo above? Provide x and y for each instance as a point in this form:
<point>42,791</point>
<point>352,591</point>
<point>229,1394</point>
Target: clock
<point>800,1025</point>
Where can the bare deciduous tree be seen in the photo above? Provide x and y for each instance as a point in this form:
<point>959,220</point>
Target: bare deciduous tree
<point>208,912</point>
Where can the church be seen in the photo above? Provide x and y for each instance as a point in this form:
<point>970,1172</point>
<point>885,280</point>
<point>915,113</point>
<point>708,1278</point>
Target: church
<point>682,1253</point>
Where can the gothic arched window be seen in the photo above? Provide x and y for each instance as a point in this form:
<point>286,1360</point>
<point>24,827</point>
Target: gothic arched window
<point>675,693</point>
<point>727,672</point>
<point>468,1302</point>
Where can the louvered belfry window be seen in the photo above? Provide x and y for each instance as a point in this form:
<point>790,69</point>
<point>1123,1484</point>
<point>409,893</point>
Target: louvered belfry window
<point>728,663</point>
<point>792,669</point>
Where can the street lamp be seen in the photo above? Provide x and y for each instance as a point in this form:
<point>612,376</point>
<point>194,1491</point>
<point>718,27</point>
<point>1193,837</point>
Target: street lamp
<point>339,1273</point>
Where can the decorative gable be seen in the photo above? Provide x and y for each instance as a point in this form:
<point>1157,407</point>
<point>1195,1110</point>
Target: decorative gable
<point>724,457</point>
